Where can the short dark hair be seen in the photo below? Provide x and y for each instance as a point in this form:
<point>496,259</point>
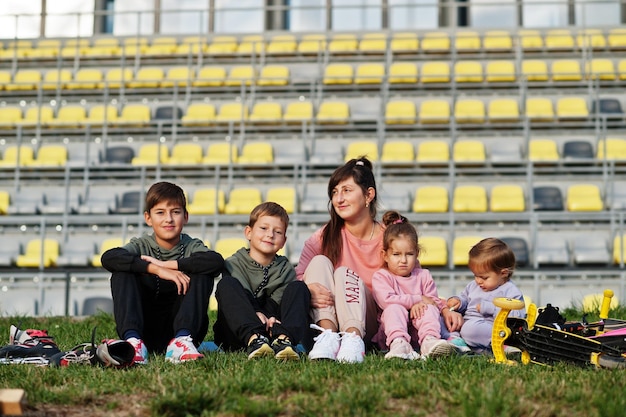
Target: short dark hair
<point>165,191</point>
<point>269,208</point>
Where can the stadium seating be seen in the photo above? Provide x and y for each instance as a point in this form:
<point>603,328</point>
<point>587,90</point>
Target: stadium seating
<point>431,199</point>
<point>242,200</point>
<point>207,201</point>
<point>434,251</point>
<point>39,253</point>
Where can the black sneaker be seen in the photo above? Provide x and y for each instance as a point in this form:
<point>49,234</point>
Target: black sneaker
<point>259,347</point>
<point>284,350</point>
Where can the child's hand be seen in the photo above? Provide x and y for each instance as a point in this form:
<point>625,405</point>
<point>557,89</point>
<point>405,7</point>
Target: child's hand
<point>428,300</point>
<point>177,277</point>
<point>478,307</point>
<point>453,303</point>
<point>151,259</point>
<point>417,310</point>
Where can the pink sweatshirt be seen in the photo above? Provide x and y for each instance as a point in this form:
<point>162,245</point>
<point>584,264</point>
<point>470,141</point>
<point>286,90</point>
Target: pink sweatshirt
<point>389,288</point>
<point>362,256</point>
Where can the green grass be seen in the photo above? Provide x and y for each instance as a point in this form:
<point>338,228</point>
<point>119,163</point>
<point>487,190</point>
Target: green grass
<point>230,385</point>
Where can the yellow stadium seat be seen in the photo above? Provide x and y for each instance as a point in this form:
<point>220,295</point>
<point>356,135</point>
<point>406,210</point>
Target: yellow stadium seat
<point>572,108</point>
<point>468,72</point>
<point>617,38</point>
<point>298,111</point>
<point>434,111</point>
<point>435,72</point>
<point>467,41</point>
<point>194,45</point>
<point>19,48</point>
<point>242,200</point>
<point>51,156</point>
<point>134,46</point>
<point>266,112</point>
<point>211,76</point>
<point>507,197</point>
<point>45,48</point>
<point>256,153</point>
<point>178,76</point>
<point>612,149</point>
<point>535,70</point>
<point>272,75</point>
<point>285,196</point>
<point>104,47</point>
<point>5,201</point>
<point>559,39</point>
<point>282,44</point>
<point>207,201</point>
<point>373,43</point>
<point>404,42</point>
<point>39,254</point>
<point>359,148</point>
<point>161,45</point>
<point>85,79</point>
<point>228,246</point>
<point>584,197</point>
<point>469,199</point>
<point>397,151</point>
<point>539,109</point>
<point>497,41</point>
<point>464,151</point>
<point>461,247</point>
<point>10,156</point>
<point>199,114</point>
<point>500,71</point>
<point>403,73</point>
<point>593,302</point>
<point>338,74</point>
<point>54,79</point>
<point>591,38</point>
<point>343,43</point>
<point>433,151</point>
<point>185,154</point>
<point>241,74</point>
<point>105,245</point>
<point>70,116</point>
<point>312,44</point>
<point>430,199</point>
<point>101,114</point>
<point>600,69</point>
<point>436,42</point>
<point>25,79</point>
<point>503,110</point>
<point>10,116</point>
<point>333,112</point>
<point>232,112</point>
<point>369,73</point>
<point>566,70</point>
<point>222,45</point>
<point>5,78</point>
<point>621,69</point>
<point>221,153</point>
<point>544,150</point>
<point>37,115</point>
<point>250,44</point>
<point>147,77</point>
<point>149,154</point>
<point>433,251</point>
<point>400,112</point>
<point>134,115</point>
<point>467,110</point>
<point>619,249</point>
<point>118,77</point>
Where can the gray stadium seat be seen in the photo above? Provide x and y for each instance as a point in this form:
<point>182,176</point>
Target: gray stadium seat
<point>547,198</point>
<point>591,250</point>
<point>129,202</point>
<point>551,250</point>
<point>314,199</point>
<point>577,150</point>
<point>519,246</point>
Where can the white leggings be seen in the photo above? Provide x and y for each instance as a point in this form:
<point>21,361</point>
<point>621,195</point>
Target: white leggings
<point>354,304</point>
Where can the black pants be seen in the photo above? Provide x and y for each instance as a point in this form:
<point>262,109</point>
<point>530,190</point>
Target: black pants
<point>152,307</point>
<point>237,320</point>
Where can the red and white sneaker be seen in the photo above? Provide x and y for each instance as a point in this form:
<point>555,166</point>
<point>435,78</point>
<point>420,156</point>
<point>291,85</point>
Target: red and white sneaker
<point>182,349</point>
<point>141,351</point>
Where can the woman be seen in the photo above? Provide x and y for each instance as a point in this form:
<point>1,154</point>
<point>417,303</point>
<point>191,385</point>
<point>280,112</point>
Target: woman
<point>337,264</point>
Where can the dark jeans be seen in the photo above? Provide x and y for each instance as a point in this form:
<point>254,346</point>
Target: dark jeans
<point>152,307</point>
<point>237,320</point>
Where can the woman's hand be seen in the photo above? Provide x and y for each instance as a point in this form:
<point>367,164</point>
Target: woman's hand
<point>321,296</point>
<point>452,319</point>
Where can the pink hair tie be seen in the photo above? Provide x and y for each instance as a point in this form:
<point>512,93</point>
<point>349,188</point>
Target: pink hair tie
<point>397,221</point>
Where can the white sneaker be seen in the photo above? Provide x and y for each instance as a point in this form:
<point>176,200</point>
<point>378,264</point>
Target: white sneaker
<point>182,349</point>
<point>326,344</point>
<point>352,348</point>
<point>402,349</point>
<point>436,348</point>
<point>141,352</point>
